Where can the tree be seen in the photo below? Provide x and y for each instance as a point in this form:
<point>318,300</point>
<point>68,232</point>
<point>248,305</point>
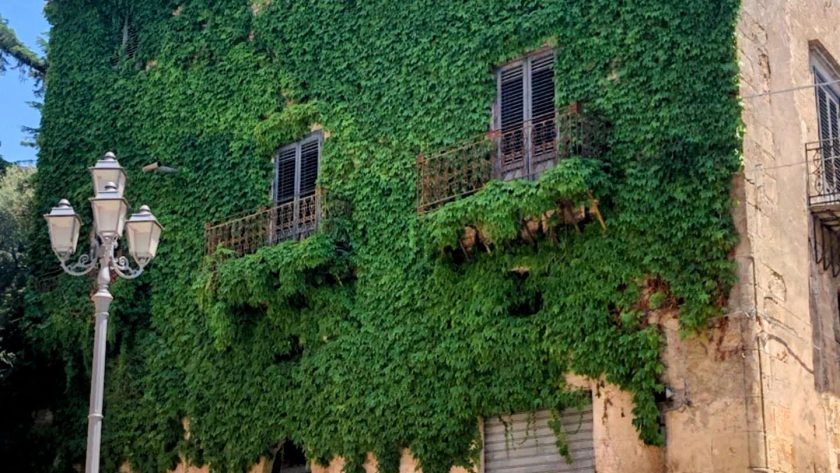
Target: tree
<point>24,374</point>
<point>12,49</point>
<point>16,200</point>
<point>16,196</point>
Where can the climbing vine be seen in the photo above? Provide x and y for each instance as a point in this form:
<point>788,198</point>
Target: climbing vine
<point>377,337</point>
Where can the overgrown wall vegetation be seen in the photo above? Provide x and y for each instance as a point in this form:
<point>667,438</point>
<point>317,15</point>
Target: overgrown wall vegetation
<point>388,341</point>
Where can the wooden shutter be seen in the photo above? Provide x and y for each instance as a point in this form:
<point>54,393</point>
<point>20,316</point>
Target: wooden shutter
<point>528,445</point>
<point>511,119</point>
<point>828,111</point>
<point>307,207</point>
<point>286,170</point>
<point>525,117</point>
<point>298,211</point>
<point>543,133</point>
<point>542,87</point>
<point>297,169</point>
<point>309,153</point>
<point>512,97</point>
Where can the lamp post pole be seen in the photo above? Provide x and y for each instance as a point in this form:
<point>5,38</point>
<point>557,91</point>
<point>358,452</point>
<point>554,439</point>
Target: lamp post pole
<point>102,303</point>
<point>109,211</point>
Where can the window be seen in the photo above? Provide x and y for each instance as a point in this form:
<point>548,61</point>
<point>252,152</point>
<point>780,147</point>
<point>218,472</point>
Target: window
<point>524,116</point>
<point>526,442</point>
<point>296,173</point>
<point>828,114</point>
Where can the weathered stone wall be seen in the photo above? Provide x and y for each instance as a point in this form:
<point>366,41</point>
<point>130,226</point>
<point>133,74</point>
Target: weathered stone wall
<point>706,421</point>
<point>792,314</point>
<point>617,444</point>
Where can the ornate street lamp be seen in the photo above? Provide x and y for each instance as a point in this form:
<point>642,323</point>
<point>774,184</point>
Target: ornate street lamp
<point>109,211</point>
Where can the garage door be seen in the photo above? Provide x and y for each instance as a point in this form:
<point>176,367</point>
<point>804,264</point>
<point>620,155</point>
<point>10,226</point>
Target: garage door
<point>528,444</point>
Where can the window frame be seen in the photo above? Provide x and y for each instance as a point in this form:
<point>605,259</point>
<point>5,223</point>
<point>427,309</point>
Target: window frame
<point>298,147</point>
<point>528,169</point>
<point>525,62</point>
<point>823,71</point>
<point>297,216</point>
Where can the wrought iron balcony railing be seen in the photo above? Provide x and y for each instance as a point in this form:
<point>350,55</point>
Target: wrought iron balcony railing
<point>523,152</point>
<point>823,158</point>
<point>247,233</point>
<point>823,161</point>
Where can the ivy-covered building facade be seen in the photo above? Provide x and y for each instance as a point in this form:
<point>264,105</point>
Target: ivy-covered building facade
<point>488,236</point>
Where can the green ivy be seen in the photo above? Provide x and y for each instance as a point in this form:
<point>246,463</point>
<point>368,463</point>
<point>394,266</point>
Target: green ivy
<point>500,208</point>
<point>388,342</point>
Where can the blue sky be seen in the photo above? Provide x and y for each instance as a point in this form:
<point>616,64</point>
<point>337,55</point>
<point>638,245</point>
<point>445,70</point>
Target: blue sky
<point>26,17</point>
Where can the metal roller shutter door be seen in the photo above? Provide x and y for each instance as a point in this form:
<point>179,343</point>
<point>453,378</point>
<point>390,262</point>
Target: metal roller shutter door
<point>529,445</point>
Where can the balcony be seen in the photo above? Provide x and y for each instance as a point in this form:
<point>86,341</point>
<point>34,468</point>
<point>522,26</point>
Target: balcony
<point>823,158</point>
<point>823,161</point>
<point>245,234</point>
<point>517,153</point>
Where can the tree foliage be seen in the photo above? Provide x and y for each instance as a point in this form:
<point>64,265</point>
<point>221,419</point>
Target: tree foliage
<point>16,198</point>
<point>24,375</point>
<point>12,49</point>
<point>388,341</point>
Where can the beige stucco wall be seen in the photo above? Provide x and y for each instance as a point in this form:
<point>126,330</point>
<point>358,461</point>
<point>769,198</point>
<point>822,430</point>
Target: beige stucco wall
<point>706,421</point>
<point>793,311</point>
<point>617,444</point>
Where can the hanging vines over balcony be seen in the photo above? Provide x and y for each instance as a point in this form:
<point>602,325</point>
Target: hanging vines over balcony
<point>523,152</point>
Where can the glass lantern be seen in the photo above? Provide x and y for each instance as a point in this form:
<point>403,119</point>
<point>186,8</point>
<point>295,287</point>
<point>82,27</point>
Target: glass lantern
<point>107,170</point>
<point>109,209</point>
<point>143,232</point>
<point>64,225</point>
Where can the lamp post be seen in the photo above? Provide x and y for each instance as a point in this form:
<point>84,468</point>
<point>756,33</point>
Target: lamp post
<point>109,212</point>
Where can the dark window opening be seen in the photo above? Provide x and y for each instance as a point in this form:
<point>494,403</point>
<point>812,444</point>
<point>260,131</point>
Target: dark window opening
<point>525,299</point>
<point>294,352</point>
<point>289,459</point>
<point>826,241</point>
